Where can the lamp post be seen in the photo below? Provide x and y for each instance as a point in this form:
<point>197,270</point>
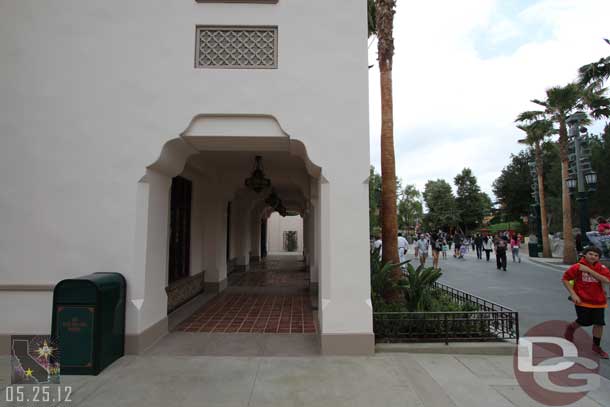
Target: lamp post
<point>536,225</point>
<point>582,179</point>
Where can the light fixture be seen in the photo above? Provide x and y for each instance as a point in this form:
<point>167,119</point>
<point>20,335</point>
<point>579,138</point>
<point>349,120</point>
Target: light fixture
<point>571,183</point>
<point>591,180</point>
<point>257,181</point>
<point>273,200</point>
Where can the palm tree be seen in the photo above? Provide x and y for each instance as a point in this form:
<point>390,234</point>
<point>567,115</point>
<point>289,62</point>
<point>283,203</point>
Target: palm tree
<point>536,132</point>
<point>596,73</point>
<point>382,25</point>
<point>561,102</point>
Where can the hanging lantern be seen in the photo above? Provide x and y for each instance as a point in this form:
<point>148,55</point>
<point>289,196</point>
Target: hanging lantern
<point>273,200</point>
<point>257,181</point>
<point>571,182</point>
<point>591,180</point>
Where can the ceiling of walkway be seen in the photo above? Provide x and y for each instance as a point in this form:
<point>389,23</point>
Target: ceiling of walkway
<point>288,173</point>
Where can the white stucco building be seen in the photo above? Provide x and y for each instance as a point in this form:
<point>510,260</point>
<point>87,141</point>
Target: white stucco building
<point>115,113</point>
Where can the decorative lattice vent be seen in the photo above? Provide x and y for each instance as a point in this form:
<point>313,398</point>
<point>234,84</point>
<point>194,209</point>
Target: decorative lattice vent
<point>236,47</point>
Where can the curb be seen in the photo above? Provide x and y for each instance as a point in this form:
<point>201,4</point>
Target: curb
<point>557,266</point>
<point>506,348</point>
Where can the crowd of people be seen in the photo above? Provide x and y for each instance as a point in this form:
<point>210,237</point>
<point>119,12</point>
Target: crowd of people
<point>440,243</point>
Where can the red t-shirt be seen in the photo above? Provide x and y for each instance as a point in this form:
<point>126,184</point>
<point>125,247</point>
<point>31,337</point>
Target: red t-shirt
<point>602,227</point>
<point>590,290</point>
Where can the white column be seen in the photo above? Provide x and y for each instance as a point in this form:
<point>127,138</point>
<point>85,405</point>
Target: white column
<point>215,241</point>
<point>255,233</point>
<point>242,229</point>
<point>146,297</point>
<point>344,301</point>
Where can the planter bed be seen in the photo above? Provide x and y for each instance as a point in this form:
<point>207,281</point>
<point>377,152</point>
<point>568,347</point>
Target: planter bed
<point>488,322</point>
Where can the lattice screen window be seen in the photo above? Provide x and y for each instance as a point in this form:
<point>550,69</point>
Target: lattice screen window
<point>236,47</point>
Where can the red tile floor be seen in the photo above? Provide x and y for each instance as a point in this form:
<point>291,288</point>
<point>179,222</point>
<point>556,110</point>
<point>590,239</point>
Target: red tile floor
<point>253,313</point>
<point>252,303</point>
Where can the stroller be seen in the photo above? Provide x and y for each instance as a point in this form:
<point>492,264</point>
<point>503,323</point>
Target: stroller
<point>463,250</point>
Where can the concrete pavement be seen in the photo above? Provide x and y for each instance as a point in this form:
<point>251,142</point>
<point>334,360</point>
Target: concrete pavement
<point>386,379</point>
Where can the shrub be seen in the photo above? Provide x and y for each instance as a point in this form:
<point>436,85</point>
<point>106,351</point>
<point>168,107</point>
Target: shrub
<point>417,287</point>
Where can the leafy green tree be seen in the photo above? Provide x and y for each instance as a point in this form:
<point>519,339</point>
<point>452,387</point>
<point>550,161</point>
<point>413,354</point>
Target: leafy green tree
<point>513,187</point>
<point>442,209</point>
<point>486,203</point>
<point>469,204</point>
<point>410,208</point>
<point>599,203</point>
<point>372,17</point>
<point>374,202</point>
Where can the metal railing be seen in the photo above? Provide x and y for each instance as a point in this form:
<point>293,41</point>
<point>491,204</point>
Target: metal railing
<point>490,322</point>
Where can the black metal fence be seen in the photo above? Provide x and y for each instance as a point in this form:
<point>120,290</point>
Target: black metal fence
<point>490,322</point>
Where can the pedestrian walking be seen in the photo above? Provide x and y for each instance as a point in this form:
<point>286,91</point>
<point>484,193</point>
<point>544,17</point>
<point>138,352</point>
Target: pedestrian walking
<point>515,245</point>
<point>588,295</point>
<point>457,240</point>
<point>603,226</point>
<point>500,248</point>
<point>422,246</point>
<point>478,244</point>
<point>445,249</point>
<point>377,244</point>
<point>403,248</point>
<point>437,247</point>
<point>488,246</point>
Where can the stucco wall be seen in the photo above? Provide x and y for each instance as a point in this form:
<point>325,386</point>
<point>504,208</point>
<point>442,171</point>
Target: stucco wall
<point>90,92</point>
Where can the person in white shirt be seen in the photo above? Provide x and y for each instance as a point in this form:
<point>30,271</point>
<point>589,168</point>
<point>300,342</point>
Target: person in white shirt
<point>422,245</point>
<point>377,244</point>
<point>488,246</point>
<point>403,248</point>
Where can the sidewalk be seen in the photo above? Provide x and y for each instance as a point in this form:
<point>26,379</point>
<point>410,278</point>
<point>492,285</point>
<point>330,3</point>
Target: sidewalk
<point>385,379</point>
<point>555,262</point>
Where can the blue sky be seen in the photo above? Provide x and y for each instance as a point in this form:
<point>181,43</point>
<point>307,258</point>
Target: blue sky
<point>464,70</point>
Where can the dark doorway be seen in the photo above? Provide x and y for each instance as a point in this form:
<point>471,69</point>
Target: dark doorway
<point>180,229</point>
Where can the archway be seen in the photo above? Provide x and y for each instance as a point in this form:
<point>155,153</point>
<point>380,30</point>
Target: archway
<point>215,154</point>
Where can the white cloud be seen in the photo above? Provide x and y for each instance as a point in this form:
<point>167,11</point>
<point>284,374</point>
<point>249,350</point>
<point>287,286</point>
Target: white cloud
<point>455,109</point>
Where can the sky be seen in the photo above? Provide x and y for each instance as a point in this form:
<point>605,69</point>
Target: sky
<point>463,71</point>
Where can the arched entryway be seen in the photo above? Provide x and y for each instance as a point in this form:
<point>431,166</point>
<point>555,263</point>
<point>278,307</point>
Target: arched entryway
<point>193,202</point>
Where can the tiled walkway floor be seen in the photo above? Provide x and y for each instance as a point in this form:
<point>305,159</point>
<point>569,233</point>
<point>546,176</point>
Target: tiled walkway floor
<point>249,313</point>
<point>253,304</point>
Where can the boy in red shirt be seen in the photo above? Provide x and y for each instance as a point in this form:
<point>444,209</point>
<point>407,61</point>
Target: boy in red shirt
<point>588,295</point>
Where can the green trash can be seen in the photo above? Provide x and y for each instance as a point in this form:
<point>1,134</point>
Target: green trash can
<point>532,249</point>
<point>89,322</point>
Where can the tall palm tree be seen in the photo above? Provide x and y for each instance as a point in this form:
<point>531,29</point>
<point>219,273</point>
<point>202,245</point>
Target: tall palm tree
<point>536,131</point>
<point>561,102</point>
<point>383,12</point>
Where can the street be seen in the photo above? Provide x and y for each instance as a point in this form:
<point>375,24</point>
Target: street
<point>532,289</point>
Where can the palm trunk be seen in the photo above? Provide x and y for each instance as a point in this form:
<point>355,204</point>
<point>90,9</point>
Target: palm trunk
<point>385,10</point>
<point>546,247</point>
<point>389,221</point>
<point>569,248</point>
